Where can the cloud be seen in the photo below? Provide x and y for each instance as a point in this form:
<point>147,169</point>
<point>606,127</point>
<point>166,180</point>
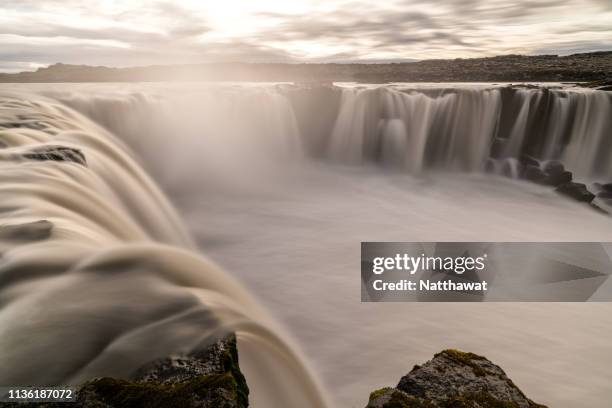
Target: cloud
<point>139,32</point>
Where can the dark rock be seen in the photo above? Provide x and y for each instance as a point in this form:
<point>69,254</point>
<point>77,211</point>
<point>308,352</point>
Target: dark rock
<point>30,231</point>
<point>498,147</point>
<point>605,194</point>
<point>490,166</point>
<point>553,167</point>
<point>558,178</point>
<point>210,378</point>
<point>213,359</point>
<point>577,191</point>
<point>453,379</point>
<point>393,398</point>
<point>533,173</point>
<point>606,187</point>
<point>527,160</point>
<point>57,153</point>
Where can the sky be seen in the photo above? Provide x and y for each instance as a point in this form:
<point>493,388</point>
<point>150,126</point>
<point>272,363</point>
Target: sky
<point>37,33</point>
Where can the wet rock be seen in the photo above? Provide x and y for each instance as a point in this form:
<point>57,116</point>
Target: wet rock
<point>551,173</point>
<point>29,231</point>
<point>553,167</point>
<point>605,194</point>
<point>557,179</point>
<point>528,160</point>
<point>453,379</point>
<point>606,187</point>
<point>498,147</point>
<point>577,191</point>
<point>56,153</point>
<point>533,173</point>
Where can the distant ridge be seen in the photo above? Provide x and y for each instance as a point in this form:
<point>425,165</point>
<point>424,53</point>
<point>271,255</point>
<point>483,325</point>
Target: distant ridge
<point>576,67</point>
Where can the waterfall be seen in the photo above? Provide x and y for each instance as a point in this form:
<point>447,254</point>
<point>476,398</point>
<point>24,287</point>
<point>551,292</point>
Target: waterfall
<point>589,146</point>
<point>95,263</point>
<point>459,129</point>
<point>413,129</point>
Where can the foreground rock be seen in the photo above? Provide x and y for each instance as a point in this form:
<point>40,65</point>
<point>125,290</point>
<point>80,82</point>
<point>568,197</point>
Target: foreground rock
<point>210,378</point>
<point>453,379</point>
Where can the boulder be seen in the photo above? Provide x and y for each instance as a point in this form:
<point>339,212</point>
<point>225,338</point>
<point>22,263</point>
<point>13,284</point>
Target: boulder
<point>577,191</point>
<point>453,379</point>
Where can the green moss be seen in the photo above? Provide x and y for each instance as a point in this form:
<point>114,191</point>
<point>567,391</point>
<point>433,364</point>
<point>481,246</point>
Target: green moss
<point>464,358</point>
<point>230,363</point>
<point>398,399</point>
<point>481,399</point>
<point>216,388</point>
<point>379,393</point>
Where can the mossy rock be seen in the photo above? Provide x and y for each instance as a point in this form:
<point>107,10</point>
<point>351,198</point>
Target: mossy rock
<point>465,358</point>
<point>453,379</point>
<point>162,385</point>
<point>215,390</point>
<point>210,378</point>
<point>393,398</point>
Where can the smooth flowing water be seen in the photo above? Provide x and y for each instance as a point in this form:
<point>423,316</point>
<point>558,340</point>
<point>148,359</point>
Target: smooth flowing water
<point>278,185</point>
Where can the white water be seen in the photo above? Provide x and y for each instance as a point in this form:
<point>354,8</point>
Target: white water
<point>234,161</point>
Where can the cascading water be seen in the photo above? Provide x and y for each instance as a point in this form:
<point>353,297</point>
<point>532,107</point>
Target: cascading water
<point>413,130</point>
<point>458,129</point>
<point>410,128</point>
<point>95,263</point>
<point>264,177</point>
